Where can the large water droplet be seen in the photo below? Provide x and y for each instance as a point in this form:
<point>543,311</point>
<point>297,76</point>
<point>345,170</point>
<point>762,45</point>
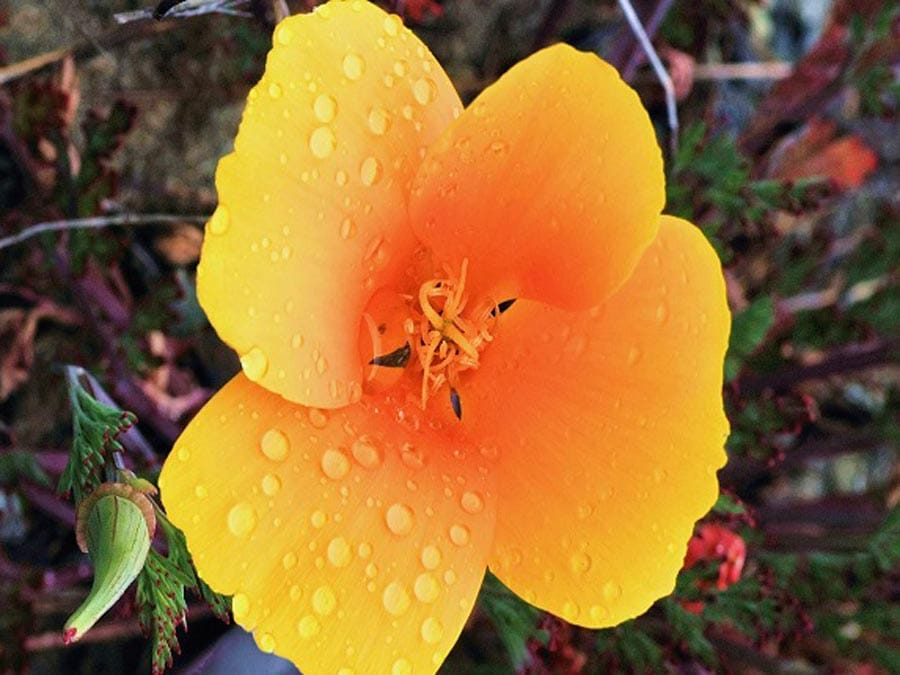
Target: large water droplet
<point>471,502</point>
<point>274,445</point>
<point>241,520</point>
<point>370,171</point>
<point>431,557</point>
<point>432,630</point>
<point>220,220</point>
<point>399,519</point>
<point>255,363</point>
<point>309,625</point>
<point>424,91</point>
<point>322,142</point>
<point>426,587</point>
<point>335,464</point>
<point>366,452</point>
<point>396,598</point>
<point>353,66</point>
<point>325,108</point>
<point>392,25</point>
<point>339,553</point>
<point>459,534</point>
<point>283,34</point>
<point>379,121</point>
<point>324,600</point>
<point>401,667</point>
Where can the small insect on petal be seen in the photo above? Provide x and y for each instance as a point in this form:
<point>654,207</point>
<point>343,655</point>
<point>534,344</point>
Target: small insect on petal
<point>456,403</point>
<point>395,359</point>
<point>502,306</point>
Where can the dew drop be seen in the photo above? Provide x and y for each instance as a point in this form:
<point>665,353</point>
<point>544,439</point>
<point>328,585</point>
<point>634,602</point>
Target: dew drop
<point>371,570</point>
<point>271,484</point>
<point>611,590</point>
<point>392,25</point>
<point>459,534</point>
<point>570,610</point>
<point>450,577</point>
<point>295,592</point>
<point>323,601</point>
<point>598,613</point>
<point>401,67</point>
<point>283,34</point>
<point>183,454</point>
<point>426,587</point>
<point>424,91</point>
<point>241,520</point>
<point>322,142</point>
<point>321,365</point>
<point>339,553</point>
<point>379,121</point>
<point>266,643</point>
<point>289,561</point>
<point>317,418</point>
<point>308,626</point>
<point>340,177</point>
<point>348,229</point>
<point>240,606</point>
<point>396,598</point>
<point>366,452</point>
<point>399,519</point>
<point>275,90</point>
<point>255,363</point>
<point>634,355</point>
<point>325,108</point>
<point>220,220</point>
<point>431,557</point>
<point>662,313</point>
<point>274,445</point>
<point>353,66</point>
<point>335,464</point>
<point>412,457</point>
<point>318,519</point>
<point>401,667</point>
<point>201,492</point>
<point>471,502</point>
<point>364,550</point>
<point>370,171</point>
<point>580,562</point>
<point>432,630</point>
<point>498,147</point>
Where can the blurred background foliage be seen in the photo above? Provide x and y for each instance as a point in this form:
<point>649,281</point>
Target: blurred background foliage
<point>789,160</point>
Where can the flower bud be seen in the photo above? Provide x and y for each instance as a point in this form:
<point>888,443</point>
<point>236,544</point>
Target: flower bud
<point>114,526</point>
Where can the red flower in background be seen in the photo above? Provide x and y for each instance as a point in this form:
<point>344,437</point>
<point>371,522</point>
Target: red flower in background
<point>713,542</point>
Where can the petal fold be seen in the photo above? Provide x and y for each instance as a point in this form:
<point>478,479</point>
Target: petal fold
<point>352,541</point>
<point>550,183</point>
<point>312,215</point>
<point>609,427</point>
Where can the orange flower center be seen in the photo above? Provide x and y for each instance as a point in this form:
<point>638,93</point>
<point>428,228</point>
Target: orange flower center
<point>440,335</point>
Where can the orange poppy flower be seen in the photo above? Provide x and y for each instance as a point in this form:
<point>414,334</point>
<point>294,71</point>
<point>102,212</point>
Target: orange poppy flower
<point>568,441</point>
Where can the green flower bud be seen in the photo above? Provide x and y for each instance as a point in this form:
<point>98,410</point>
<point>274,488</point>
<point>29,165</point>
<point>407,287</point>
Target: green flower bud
<point>114,526</point>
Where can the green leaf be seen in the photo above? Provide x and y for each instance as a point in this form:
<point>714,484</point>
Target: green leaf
<point>21,464</point>
<point>515,620</point>
<point>726,504</point>
<point>748,329</point>
<point>95,428</point>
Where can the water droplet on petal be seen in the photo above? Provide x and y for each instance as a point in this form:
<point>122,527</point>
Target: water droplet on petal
<point>322,142</point>
<point>662,313</point>
<point>598,613</point>
<point>426,587</point>
<point>498,147</point>
<point>317,418</point>
<point>396,598</point>
<point>392,25</point>
<point>634,355</point>
<point>580,562</point>
<point>309,625</point>
<point>348,229</point>
<point>379,121</point>
<point>366,452</point>
<point>424,91</point>
<point>412,457</point>
<point>353,66</point>
<point>471,502</point>
<point>401,67</point>
<point>431,557</point>
<point>323,601</point>
<point>325,108</point>
<point>318,519</point>
<point>271,484</point>
<point>275,90</point>
<point>240,606</point>
<point>201,492</point>
<point>274,445</point>
<point>183,453</point>
<point>266,643</point>
<point>283,34</point>
<point>570,610</point>
<point>255,363</point>
<point>220,220</point>
<point>289,561</point>
<point>241,520</point>
<point>611,590</point>
<point>459,534</point>
<point>364,550</point>
<point>370,171</point>
<point>401,667</point>
<point>399,519</point>
<point>335,464</point>
<point>432,630</point>
<point>339,553</point>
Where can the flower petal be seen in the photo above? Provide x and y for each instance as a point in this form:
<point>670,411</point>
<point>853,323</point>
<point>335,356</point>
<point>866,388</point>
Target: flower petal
<point>550,183</point>
<point>348,538</point>
<point>610,427</point>
<point>312,214</point>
